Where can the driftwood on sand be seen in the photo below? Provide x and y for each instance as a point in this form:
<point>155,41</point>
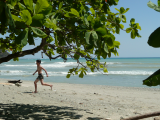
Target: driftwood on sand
<point>14,81</point>
<point>143,116</point>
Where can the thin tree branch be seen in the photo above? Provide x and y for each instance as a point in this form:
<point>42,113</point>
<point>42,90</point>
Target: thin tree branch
<point>25,52</point>
<point>143,116</point>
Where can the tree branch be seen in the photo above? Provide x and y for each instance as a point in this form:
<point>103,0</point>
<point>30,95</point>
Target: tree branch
<point>143,116</point>
<point>50,57</point>
<point>25,52</point>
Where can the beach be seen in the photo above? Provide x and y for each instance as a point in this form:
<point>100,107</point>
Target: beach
<point>75,101</point>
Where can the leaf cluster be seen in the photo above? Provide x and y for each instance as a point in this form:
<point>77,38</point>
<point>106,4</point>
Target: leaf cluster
<point>70,28</point>
<point>154,41</point>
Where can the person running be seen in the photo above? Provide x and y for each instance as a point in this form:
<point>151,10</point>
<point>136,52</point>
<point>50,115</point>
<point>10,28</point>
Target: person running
<point>40,76</point>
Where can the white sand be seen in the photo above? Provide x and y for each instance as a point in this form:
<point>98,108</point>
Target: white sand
<point>76,101</point>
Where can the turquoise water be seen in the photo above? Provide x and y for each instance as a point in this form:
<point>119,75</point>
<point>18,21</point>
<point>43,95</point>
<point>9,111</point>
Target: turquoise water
<point>122,71</point>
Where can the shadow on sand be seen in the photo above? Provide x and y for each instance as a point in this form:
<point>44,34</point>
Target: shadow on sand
<point>39,112</point>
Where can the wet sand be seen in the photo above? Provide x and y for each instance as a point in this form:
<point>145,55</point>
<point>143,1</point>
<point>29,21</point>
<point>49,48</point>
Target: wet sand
<point>75,101</point>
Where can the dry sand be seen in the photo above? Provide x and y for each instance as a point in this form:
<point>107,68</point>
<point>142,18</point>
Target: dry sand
<point>75,101</point>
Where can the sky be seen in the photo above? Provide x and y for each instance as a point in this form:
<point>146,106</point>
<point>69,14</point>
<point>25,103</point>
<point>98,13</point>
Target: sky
<point>148,19</point>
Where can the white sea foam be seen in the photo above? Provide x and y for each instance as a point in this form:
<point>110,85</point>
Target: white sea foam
<point>111,63</point>
<point>131,72</point>
<point>57,73</point>
<point>54,65</point>
<point>124,73</point>
<point>109,73</point>
<point>64,73</point>
<point>13,72</point>
<point>18,65</point>
<point>61,64</point>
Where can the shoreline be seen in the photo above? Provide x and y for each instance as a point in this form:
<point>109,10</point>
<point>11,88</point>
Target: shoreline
<point>129,87</point>
<point>77,101</point>
<point>31,83</point>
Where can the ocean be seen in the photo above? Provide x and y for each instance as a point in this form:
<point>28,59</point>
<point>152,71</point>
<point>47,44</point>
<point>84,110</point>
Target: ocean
<point>128,72</point>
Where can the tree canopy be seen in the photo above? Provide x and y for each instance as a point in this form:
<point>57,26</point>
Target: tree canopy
<point>154,41</point>
<point>65,28</point>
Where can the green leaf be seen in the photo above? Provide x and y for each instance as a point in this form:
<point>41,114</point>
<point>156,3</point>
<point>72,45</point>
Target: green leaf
<point>74,12</point>
<point>153,6</point>
<point>90,18</point>
<point>105,69</point>
<point>13,2</point>
<point>106,48</point>
<point>50,24</point>
<point>16,18</point>
<point>137,26</point>
<point>109,39</point>
<point>153,80</point>
<point>60,5</point>
<point>123,18</point>
<point>126,10</point>
<point>81,75</point>
<point>29,4</point>
<point>95,37</point>
<point>137,34</point>
<point>92,10</point>
<point>109,54</point>
<point>30,38</point>
<point>122,26</point>
<point>22,37</point>
<point>87,36</point>
<point>55,36</point>
<point>117,9</point>
<point>68,75</point>
<point>158,3</point>
<point>21,6</point>
<point>128,30</point>
<point>26,16</point>
<point>10,6</point>
<point>133,35</point>
<point>39,32</point>
<point>16,59</point>
<point>10,19</point>
<point>132,21</point>
<point>103,17</point>
<point>101,31</point>
<point>117,29</point>
<point>154,38</point>
<point>42,7</point>
<point>67,15</point>
<point>76,56</point>
<point>37,20</point>
<point>49,39</point>
<point>122,10</point>
<point>34,6</point>
<point>116,44</point>
<point>85,20</point>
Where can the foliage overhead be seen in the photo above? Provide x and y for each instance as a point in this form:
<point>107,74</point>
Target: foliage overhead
<point>154,41</point>
<point>69,28</point>
<point>153,80</point>
<point>154,38</point>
